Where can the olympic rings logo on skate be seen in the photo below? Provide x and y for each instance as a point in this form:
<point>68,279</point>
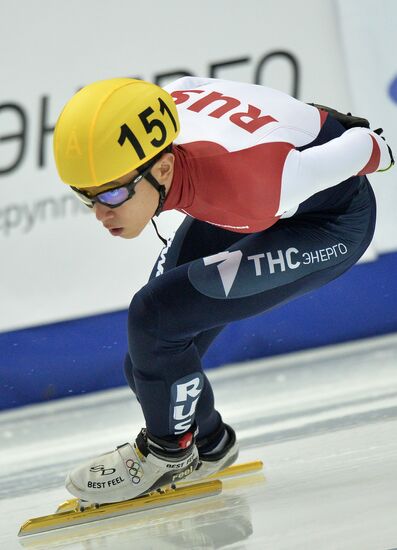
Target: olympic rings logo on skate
<point>135,470</point>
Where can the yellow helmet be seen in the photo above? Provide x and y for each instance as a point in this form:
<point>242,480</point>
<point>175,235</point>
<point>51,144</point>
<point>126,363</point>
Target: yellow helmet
<point>110,128</point>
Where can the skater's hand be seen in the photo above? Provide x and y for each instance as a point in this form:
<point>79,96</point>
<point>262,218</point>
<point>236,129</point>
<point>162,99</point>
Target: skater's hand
<point>379,131</point>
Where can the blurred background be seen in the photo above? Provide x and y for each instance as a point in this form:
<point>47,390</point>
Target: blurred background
<point>65,284</point>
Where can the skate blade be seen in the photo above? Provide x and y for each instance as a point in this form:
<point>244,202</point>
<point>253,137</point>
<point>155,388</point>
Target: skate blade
<point>237,470</point>
<point>231,471</point>
<point>104,511</point>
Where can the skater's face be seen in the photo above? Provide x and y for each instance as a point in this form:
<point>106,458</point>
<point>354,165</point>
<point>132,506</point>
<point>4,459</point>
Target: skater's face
<point>130,218</point>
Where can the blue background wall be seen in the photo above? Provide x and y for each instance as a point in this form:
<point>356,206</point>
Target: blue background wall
<point>86,355</point>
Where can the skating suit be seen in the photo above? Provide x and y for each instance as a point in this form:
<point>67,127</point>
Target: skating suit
<point>277,205</point>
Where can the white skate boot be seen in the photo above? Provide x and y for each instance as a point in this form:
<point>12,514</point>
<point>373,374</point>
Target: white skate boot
<point>213,461</point>
<point>134,469</point>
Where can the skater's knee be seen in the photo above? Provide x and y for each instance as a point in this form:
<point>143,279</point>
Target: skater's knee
<point>154,316</point>
<point>142,314</point>
<point>129,372</point>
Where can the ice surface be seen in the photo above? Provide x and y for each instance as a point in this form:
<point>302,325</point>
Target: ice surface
<point>324,423</point>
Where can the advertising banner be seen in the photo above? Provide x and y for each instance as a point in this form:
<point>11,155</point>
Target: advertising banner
<point>57,261</point>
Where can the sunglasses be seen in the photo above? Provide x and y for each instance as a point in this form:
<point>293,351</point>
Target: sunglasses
<point>112,197</point>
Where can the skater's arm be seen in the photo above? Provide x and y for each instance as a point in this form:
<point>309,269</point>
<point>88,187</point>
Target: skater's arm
<point>358,151</point>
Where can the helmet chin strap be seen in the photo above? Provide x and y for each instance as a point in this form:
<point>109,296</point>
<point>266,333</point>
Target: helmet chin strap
<point>158,234</point>
<point>161,190</point>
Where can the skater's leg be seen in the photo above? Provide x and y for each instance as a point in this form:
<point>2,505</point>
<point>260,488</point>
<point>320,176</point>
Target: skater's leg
<point>129,372</point>
<point>152,462</point>
<point>261,271</point>
<point>207,418</point>
<point>193,239</point>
